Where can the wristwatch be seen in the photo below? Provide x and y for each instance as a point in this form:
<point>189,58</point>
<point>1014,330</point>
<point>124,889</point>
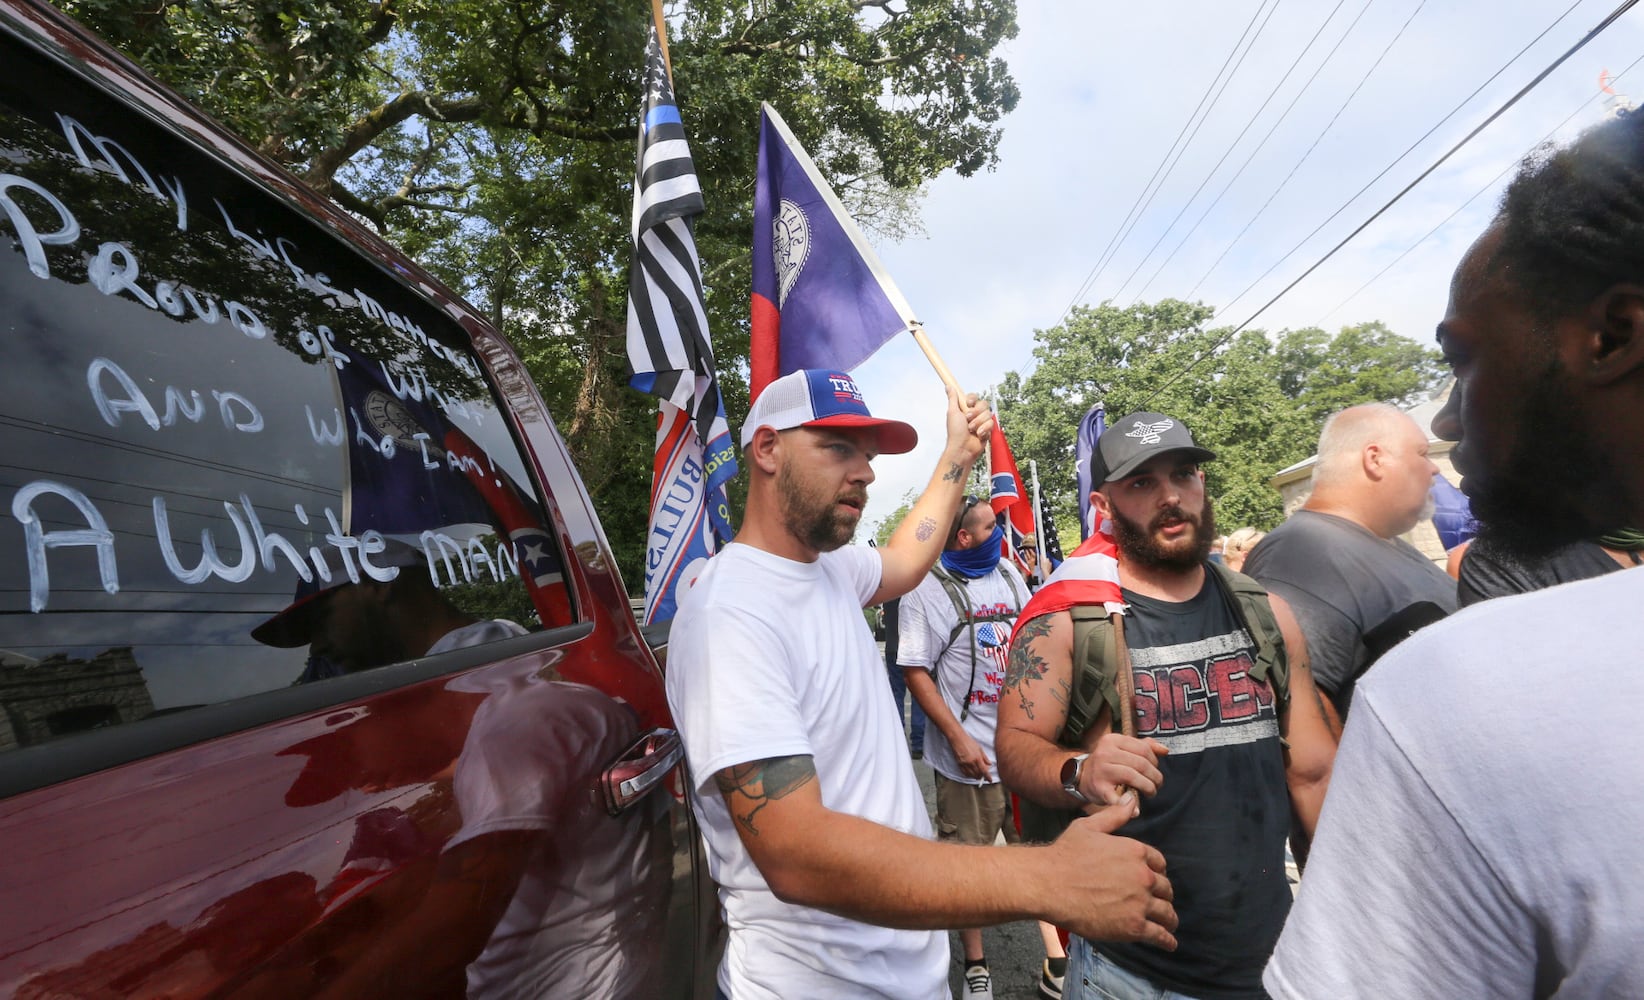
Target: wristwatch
<point>1070,776</point>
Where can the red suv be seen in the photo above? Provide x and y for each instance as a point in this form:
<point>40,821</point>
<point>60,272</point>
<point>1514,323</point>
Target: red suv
<point>316,677</point>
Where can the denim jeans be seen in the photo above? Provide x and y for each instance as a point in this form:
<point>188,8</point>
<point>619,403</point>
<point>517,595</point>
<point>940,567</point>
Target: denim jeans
<point>1092,977</point>
<point>899,691</point>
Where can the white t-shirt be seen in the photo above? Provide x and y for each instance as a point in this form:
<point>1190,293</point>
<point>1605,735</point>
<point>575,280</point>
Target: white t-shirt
<point>768,658</point>
<point>927,619</point>
<point>1480,838</point>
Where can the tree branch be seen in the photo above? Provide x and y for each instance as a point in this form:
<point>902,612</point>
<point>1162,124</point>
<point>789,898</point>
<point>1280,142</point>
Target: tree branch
<point>445,108</point>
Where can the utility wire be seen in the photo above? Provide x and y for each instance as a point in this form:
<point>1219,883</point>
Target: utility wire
<point>1613,16</point>
<point>1398,159</point>
<point>1476,195</point>
<point>1121,231</point>
<point>1320,138</point>
<point>1259,146</point>
<point>1231,146</point>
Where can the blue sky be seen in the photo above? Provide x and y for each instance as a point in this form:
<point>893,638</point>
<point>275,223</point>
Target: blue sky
<point>1107,87</point>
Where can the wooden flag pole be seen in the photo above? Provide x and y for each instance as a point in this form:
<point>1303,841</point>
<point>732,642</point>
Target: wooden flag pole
<point>936,362</point>
<point>662,37</point>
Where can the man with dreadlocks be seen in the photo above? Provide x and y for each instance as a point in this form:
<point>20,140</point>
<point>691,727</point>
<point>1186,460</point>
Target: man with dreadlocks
<point>1480,836</point>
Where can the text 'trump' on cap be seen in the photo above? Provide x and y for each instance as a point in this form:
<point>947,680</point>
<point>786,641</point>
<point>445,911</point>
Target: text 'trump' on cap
<point>819,398</point>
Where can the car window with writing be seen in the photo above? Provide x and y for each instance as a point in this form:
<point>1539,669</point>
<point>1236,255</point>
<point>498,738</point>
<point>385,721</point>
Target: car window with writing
<point>237,455</point>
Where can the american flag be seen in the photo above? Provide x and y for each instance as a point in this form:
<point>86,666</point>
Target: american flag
<point>669,354</point>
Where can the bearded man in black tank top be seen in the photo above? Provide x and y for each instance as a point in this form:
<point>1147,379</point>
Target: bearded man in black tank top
<point>1223,762</point>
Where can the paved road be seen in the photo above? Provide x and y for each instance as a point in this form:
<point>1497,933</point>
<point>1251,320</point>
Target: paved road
<point>1014,951</point>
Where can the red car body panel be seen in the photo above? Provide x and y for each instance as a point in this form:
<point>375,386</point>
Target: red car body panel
<point>285,843</point>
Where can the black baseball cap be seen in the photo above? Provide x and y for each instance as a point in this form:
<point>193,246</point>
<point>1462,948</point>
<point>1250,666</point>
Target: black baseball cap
<point>1132,441</point>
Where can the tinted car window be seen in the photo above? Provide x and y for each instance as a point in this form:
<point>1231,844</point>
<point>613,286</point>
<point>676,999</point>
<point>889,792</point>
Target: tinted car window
<point>212,408</point>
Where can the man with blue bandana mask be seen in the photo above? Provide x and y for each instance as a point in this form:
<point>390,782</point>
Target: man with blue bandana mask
<point>955,632</point>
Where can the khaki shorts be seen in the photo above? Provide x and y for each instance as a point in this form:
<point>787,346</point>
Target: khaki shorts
<point>973,814</point>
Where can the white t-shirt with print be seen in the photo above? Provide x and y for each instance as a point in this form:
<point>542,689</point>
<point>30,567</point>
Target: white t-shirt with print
<point>769,657</point>
<point>927,619</point>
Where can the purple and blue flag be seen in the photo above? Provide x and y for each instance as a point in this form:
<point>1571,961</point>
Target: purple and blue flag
<point>821,298</point>
<point>1090,429</point>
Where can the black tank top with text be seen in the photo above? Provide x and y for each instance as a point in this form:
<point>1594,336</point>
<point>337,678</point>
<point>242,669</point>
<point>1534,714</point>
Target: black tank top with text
<point>1223,812</point>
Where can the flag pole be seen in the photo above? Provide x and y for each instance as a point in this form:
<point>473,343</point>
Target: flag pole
<point>918,330</point>
<point>1038,524</point>
<point>662,37</point>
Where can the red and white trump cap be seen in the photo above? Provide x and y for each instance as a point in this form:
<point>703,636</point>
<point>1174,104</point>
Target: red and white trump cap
<point>816,397</point>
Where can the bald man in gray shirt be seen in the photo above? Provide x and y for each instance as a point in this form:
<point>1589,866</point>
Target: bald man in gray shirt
<point>1356,587</point>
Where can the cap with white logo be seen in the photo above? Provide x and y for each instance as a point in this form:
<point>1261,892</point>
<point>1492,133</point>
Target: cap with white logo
<point>1132,441</point>
<point>820,398</point>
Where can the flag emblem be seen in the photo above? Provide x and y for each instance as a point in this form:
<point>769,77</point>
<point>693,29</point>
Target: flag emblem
<point>791,244</point>
<point>1149,433</point>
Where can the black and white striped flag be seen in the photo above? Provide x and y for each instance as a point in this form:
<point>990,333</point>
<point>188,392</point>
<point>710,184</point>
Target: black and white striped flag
<point>669,353</point>
<point>670,356</point>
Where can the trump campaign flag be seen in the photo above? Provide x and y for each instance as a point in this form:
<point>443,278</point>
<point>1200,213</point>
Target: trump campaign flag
<point>669,353</point>
<point>821,298</point>
<point>1090,429</point>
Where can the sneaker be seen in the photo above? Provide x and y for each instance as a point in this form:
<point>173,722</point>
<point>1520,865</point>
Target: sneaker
<point>1050,984</point>
<point>978,983</point>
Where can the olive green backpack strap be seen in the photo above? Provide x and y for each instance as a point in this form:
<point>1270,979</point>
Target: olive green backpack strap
<point>1256,612</point>
<point>1095,684</point>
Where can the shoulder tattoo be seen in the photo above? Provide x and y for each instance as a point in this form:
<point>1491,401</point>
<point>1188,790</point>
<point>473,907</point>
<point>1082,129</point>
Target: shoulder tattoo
<point>750,787</point>
<point>1024,664</point>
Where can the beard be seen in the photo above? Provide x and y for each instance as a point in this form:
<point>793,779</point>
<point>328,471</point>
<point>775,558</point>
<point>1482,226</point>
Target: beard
<point>1530,506</point>
<point>814,519</point>
<point>1140,543</point>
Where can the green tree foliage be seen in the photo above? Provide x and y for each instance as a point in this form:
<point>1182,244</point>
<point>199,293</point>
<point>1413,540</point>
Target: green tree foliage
<point>1257,401</point>
<point>493,140</point>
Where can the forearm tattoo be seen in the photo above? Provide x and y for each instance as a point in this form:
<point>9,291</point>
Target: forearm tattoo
<point>954,473</point>
<point>1024,664</point>
<point>925,529</point>
<point>750,787</point>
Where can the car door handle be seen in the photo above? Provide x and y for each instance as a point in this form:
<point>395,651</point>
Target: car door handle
<point>640,768</point>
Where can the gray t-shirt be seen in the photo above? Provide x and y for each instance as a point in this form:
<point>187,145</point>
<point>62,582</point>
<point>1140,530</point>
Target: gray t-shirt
<point>1487,572</point>
<point>1355,594</point>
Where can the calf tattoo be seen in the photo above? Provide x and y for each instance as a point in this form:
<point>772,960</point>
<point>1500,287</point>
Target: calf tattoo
<point>750,787</point>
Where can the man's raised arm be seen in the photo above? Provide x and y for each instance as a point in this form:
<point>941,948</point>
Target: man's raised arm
<point>916,544</point>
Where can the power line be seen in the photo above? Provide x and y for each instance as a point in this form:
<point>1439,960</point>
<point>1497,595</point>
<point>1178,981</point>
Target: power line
<point>1259,146</point>
<point>1398,159</point>
<point>1625,6</point>
<point>1121,231</point>
<point>1309,152</point>
<point>1476,194</point>
<point>1231,146</point>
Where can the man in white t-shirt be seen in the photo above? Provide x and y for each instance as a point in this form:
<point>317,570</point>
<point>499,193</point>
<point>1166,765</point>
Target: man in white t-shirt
<point>815,828</point>
<point>1480,834</point>
<point>955,631</point>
